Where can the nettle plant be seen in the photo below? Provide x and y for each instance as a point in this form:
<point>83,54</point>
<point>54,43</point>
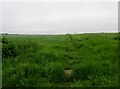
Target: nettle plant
<point>8,49</point>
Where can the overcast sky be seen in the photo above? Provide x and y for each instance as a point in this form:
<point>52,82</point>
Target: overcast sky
<point>59,17</point>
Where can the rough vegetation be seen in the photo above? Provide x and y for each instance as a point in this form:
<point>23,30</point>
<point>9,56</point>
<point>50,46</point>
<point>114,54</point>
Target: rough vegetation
<point>72,60</point>
<point>8,49</point>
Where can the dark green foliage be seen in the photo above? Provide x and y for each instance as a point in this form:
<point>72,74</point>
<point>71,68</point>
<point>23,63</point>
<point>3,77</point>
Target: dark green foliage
<point>83,71</point>
<point>8,49</point>
<point>56,72</point>
<point>117,38</point>
<point>4,40</point>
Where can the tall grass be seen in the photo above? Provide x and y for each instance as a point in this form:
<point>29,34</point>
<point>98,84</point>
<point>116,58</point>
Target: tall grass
<point>41,61</point>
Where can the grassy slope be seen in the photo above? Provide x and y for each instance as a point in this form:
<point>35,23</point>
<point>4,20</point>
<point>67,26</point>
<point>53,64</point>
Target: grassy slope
<point>41,61</point>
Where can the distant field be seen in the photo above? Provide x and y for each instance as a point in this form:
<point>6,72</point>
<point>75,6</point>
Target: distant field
<point>72,60</point>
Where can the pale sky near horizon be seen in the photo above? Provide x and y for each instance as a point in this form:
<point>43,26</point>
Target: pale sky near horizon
<point>59,17</point>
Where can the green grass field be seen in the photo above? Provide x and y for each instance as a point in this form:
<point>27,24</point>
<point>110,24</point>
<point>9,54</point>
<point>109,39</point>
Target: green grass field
<point>72,60</point>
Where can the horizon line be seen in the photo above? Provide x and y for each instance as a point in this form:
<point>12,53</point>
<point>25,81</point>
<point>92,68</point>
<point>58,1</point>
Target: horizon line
<point>53,33</point>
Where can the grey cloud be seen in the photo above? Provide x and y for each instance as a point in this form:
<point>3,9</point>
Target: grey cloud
<point>59,17</point>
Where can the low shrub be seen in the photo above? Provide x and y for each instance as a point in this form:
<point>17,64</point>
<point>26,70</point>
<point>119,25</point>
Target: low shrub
<point>4,40</point>
<point>8,49</point>
<point>117,38</point>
